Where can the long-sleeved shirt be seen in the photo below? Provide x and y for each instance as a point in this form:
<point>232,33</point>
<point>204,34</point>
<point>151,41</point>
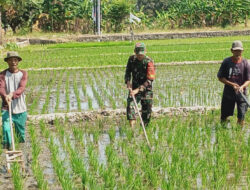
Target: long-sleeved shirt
<point>139,71</point>
<point>15,83</point>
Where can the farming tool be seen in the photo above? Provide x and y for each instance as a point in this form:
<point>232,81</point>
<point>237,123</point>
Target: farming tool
<point>142,123</point>
<point>13,155</point>
<point>245,98</point>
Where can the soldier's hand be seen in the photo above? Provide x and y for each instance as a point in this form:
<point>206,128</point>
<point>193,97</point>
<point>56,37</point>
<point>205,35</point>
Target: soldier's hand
<point>134,92</point>
<point>129,85</point>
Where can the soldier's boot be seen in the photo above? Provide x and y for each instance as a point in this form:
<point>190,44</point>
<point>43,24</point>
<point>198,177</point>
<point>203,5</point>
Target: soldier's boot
<point>146,115</point>
<point>145,122</point>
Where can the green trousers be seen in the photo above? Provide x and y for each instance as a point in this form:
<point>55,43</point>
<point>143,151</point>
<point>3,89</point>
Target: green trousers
<point>146,99</point>
<point>19,122</point>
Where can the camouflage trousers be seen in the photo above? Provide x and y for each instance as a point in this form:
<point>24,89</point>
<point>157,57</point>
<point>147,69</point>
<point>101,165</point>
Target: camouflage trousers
<point>146,99</point>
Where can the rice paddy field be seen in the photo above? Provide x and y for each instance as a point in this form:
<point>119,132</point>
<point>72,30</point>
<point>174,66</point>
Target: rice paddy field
<point>188,152</point>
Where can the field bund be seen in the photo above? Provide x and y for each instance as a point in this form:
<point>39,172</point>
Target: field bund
<point>124,37</point>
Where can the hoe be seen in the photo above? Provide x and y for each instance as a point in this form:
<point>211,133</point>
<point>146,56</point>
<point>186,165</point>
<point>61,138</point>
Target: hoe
<point>13,155</point>
<point>142,123</point>
<point>245,98</point>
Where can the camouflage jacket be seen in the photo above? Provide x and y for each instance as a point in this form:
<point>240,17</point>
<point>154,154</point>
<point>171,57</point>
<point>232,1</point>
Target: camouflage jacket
<point>139,71</point>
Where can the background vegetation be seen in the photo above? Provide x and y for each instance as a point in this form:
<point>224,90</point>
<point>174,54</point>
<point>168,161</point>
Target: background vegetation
<point>76,15</point>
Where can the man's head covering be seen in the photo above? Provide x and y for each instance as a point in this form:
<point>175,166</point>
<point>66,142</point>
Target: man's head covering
<point>12,54</point>
<point>237,45</point>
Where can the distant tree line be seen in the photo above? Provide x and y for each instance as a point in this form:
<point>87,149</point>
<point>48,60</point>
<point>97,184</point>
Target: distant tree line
<point>77,16</point>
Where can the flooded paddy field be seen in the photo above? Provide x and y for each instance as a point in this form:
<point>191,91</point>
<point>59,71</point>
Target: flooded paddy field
<point>92,89</point>
<point>85,150</point>
<point>187,152</point>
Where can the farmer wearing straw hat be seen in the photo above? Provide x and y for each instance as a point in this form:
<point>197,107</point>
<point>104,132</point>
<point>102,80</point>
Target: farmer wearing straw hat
<point>235,74</point>
<point>143,73</point>
<point>12,86</point>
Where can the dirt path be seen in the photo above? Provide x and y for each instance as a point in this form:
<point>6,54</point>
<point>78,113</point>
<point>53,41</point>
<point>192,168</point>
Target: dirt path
<point>92,115</point>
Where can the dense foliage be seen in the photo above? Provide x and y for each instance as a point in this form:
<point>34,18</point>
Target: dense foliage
<point>76,15</point>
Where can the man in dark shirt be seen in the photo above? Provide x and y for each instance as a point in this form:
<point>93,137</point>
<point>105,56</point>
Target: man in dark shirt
<point>235,74</point>
<point>143,73</point>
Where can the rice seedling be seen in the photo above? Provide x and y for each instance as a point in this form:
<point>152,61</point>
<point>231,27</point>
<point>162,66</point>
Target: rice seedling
<point>96,94</point>
<point>64,178</point>
<point>77,164</point>
<point>112,133</point>
<point>78,135</point>
<point>17,176</point>
<point>48,94</point>
<point>84,87</point>
<point>183,157</point>
<point>77,94</point>
<point>90,93</point>
<point>93,158</point>
<point>67,92</point>
<point>36,168</point>
<point>58,88</point>
<point>96,135</point>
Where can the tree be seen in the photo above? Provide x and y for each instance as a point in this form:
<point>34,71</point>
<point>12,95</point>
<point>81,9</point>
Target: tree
<point>2,4</point>
<point>151,7</point>
<point>62,13</point>
<point>20,13</point>
<point>118,10</point>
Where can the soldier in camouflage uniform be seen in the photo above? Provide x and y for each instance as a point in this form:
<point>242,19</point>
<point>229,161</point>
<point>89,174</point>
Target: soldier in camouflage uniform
<point>143,73</point>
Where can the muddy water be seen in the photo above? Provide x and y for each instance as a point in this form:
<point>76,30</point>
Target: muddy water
<point>42,100</point>
<point>171,98</point>
<point>84,100</point>
<point>63,156</point>
<point>104,140</point>
<point>72,98</point>
<point>91,95</point>
<point>52,101</point>
<point>62,98</point>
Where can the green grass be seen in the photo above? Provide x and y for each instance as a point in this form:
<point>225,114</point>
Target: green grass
<point>90,44</point>
<point>94,54</point>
